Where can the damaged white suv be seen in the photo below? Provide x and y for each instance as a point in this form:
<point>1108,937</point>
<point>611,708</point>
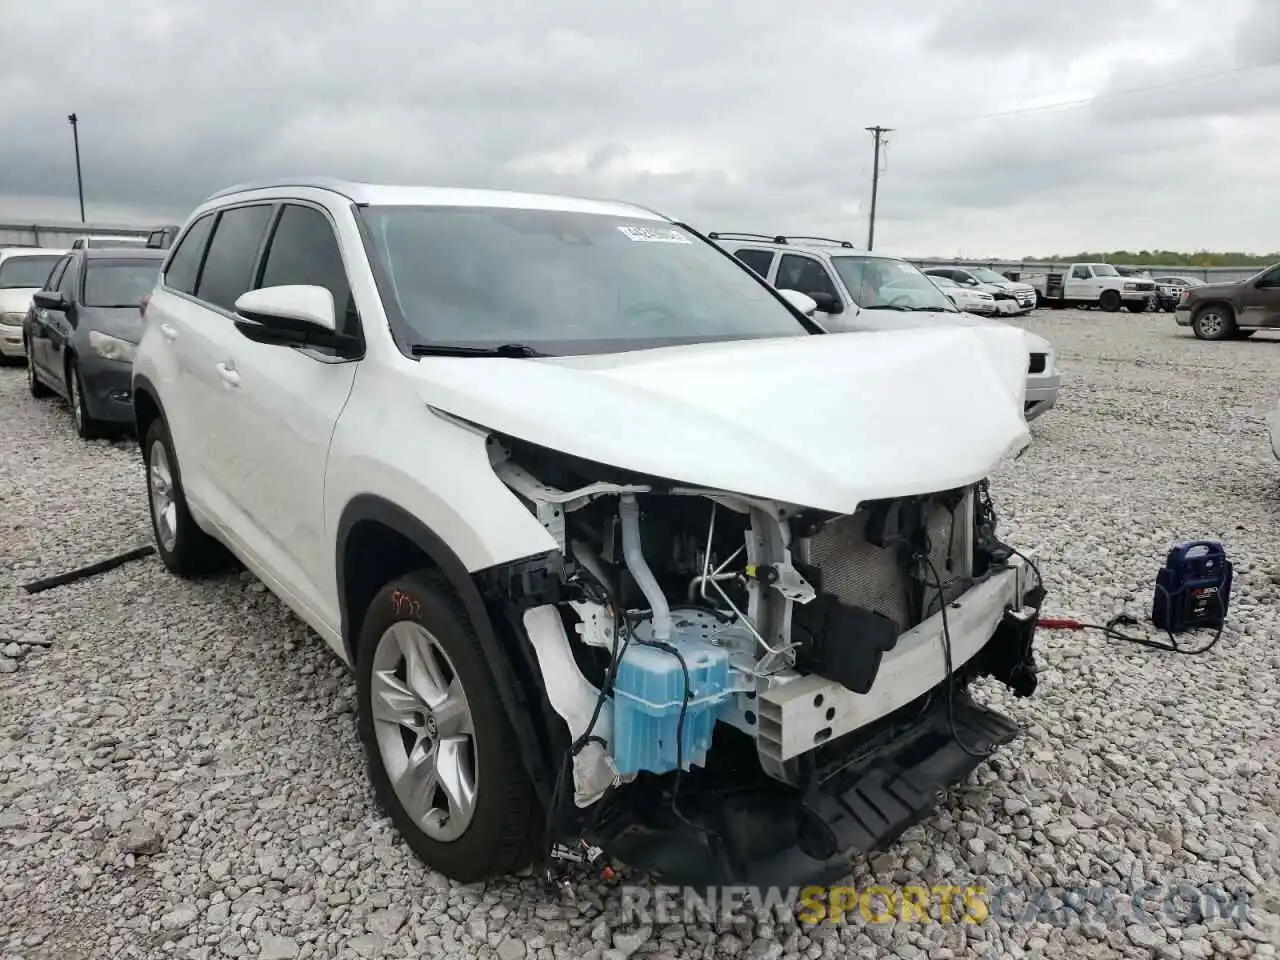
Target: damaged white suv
<point>620,546</point>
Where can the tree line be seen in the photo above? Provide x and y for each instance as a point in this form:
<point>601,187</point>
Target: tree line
<point>1166,258</point>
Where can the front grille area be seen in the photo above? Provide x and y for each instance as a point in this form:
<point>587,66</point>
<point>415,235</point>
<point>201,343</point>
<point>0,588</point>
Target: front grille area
<point>880,579</point>
<point>1145,285</point>
<point>1026,297</point>
<point>1038,362</point>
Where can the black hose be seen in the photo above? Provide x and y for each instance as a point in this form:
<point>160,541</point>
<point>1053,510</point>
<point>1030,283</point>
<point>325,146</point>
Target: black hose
<point>93,569</point>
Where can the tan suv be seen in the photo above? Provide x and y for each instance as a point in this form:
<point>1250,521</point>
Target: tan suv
<point>1232,311</point>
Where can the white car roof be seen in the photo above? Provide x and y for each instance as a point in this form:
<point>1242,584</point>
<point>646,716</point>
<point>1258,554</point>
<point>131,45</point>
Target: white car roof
<point>394,195</point>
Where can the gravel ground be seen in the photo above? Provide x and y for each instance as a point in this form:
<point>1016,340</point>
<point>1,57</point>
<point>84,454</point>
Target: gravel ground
<point>180,777</point>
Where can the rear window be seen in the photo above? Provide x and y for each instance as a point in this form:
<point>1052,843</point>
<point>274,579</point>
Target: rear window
<point>19,272</point>
<point>119,283</point>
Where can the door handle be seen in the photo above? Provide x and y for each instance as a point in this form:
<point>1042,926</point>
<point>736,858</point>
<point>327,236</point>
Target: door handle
<point>228,374</point>
<point>170,333</point>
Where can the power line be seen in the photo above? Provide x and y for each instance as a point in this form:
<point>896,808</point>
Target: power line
<point>878,133</point>
<point>1103,95</point>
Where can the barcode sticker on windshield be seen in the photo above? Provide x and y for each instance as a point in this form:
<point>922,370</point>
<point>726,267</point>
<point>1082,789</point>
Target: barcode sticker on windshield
<point>653,234</point>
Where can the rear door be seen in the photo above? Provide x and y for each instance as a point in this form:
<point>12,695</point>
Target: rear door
<point>1260,301</point>
<point>206,329</point>
<point>281,413</point>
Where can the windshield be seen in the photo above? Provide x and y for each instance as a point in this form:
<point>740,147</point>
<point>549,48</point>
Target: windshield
<point>878,283</point>
<point>1104,270</point>
<point>21,272</point>
<point>119,283</point>
<point>563,282</point>
<point>988,276</point>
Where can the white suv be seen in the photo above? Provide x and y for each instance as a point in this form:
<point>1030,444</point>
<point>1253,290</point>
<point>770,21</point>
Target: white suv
<point>619,545</point>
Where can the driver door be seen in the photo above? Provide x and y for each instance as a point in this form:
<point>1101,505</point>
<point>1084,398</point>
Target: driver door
<point>1080,284</point>
<point>1260,301</point>
<point>808,276</point>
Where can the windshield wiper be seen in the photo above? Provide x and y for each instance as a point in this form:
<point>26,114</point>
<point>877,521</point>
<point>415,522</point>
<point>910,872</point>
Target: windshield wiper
<point>499,350</point>
<point>902,309</point>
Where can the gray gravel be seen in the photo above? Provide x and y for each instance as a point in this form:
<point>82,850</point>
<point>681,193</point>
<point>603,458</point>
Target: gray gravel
<point>179,773</point>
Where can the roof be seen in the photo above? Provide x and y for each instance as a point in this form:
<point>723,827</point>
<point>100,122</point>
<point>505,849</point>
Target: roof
<point>123,253</point>
<point>24,251</point>
<point>834,248</point>
<point>394,195</point>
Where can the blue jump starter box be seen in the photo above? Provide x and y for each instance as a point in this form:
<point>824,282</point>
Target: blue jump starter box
<point>1193,588</point>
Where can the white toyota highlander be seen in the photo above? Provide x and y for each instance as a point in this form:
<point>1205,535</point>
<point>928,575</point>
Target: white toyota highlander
<point>621,547</point>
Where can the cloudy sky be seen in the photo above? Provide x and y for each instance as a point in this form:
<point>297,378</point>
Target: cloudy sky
<point>731,114</point>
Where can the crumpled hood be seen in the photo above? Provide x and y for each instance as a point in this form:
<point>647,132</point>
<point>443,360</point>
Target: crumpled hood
<point>896,320</point>
<point>826,421</point>
<point>16,300</point>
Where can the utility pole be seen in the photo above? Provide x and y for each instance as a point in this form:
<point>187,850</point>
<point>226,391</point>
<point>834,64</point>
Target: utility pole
<point>75,133</point>
<point>878,132</point>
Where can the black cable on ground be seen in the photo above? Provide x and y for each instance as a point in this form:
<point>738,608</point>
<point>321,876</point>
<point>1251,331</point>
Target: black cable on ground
<point>93,569</point>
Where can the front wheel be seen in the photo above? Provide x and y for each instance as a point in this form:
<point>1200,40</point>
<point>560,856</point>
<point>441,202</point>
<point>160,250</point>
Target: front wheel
<point>1137,307</point>
<point>1109,301</point>
<point>1214,323</point>
<point>87,428</point>
<point>443,758</point>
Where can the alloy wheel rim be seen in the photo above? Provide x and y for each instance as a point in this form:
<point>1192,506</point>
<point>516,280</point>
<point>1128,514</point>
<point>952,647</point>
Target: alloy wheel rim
<point>164,508</point>
<point>1211,323</point>
<point>425,731</point>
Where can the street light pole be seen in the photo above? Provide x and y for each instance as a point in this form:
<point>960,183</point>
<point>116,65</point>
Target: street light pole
<point>75,133</point>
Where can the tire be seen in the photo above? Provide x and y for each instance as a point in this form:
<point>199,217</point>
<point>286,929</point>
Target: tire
<point>1214,322</point>
<point>1109,301</point>
<point>87,428</point>
<point>34,386</point>
<point>504,825</point>
<point>1244,334</point>
<point>184,548</point>
<point>1136,307</point>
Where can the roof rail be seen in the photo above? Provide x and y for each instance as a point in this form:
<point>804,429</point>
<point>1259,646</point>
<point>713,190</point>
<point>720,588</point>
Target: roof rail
<point>777,238</point>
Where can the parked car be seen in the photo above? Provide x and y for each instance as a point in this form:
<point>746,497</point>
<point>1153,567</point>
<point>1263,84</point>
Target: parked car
<point>965,299</point>
<point>1012,296</point>
<point>81,332</point>
<point>23,271</point>
<point>1152,299</point>
<point>1093,285</point>
<point>1234,310</point>
<point>161,238</point>
<point>855,290</point>
<point>564,531</point>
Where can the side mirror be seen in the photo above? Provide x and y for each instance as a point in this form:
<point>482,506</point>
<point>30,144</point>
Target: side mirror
<point>804,303</point>
<point>49,300</point>
<point>827,303</point>
<point>290,316</point>
<point>970,282</point>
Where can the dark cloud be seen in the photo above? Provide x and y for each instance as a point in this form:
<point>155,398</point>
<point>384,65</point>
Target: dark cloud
<point>735,116</point>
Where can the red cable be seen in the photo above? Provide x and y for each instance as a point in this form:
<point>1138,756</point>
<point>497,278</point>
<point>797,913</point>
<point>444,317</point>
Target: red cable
<point>1053,623</point>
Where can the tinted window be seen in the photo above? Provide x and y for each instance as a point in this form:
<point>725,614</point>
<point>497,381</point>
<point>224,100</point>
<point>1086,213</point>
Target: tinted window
<point>184,265</point>
<point>304,250</point>
<point>56,277</point>
<point>228,266</point>
<point>18,272</point>
<point>563,282</point>
<point>118,284</point>
<point>69,283</point>
<point>757,260</point>
<point>804,275</point>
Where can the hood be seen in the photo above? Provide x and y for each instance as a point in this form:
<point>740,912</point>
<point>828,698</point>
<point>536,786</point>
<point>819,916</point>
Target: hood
<point>890,320</point>
<point>122,322</point>
<point>16,300</point>
<point>825,421</point>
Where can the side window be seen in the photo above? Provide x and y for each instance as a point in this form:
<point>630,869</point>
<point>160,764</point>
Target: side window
<point>233,251</point>
<point>184,265</point>
<point>304,250</point>
<point>757,260</point>
<point>1081,272</point>
<point>55,276</point>
<point>805,275</point>
<point>1270,279</point>
<point>70,280</point>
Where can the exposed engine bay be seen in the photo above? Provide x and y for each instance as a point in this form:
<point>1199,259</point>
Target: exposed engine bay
<point>757,658</point>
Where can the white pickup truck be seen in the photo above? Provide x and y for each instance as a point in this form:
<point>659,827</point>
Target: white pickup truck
<point>1092,285</point>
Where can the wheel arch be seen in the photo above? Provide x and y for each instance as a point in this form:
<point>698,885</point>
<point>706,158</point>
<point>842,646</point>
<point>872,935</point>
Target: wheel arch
<point>371,525</point>
<point>147,408</point>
